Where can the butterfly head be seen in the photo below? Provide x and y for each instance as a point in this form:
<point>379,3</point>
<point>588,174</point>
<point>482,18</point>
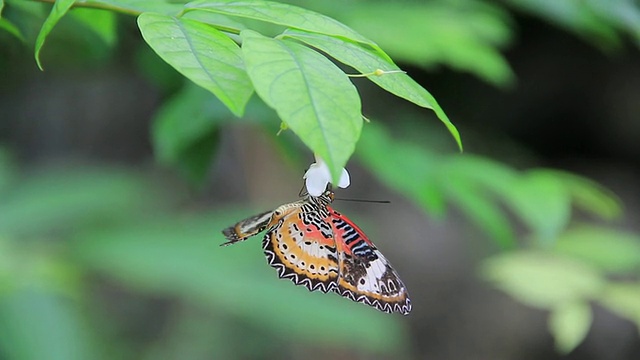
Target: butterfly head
<point>328,195</point>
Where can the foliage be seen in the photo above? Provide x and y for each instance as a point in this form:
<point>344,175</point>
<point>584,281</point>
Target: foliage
<point>122,233</point>
<point>289,56</point>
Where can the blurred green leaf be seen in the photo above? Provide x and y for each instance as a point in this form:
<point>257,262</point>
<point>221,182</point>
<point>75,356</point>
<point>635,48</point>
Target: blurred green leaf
<point>56,199</point>
<point>203,54</point>
<point>542,202</point>
<point>7,171</point>
<point>11,29</point>
<point>429,180</point>
<point>392,161</point>
<point>301,85</point>
<point>184,131</point>
<point>367,61</point>
<point>475,184</point>
<point>589,195</point>
<point>622,14</point>
<point>59,9</point>
<point>37,266</point>
<point>197,335</point>
<point>482,210</point>
<point>483,172</point>
<point>622,299</point>
<point>575,15</point>
<point>182,258</point>
<point>281,14</point>
<point>38,325</point>
<point>465,35</point>
<point>569,324</point>
<point>100,23</point>
<point>608,249</point>
<point>542,279</point>
<point>157,72</point>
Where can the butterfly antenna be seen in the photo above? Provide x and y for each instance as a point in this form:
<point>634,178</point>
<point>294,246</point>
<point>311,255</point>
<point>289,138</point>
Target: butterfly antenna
<point>366,201</point>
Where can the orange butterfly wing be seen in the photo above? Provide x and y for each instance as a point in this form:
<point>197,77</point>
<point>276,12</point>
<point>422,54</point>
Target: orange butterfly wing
<point>366,276</point>
<point>301,247</point>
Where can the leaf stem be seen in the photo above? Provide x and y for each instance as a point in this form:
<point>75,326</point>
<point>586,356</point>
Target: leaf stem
<point>96,6</point>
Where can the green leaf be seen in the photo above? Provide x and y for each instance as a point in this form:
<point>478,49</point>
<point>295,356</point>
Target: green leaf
<point>542,202</point>
<point>57,12</point>
<point>367,61</point>
<point>541,279</point>
<point>184,131</point>
<point>38,325</point>
<point>569,324</point>
<point>281,14</point>
<point>182,258</point>
<point>608,249</point>
<point>311,95</point>
<point>203,54</point>
<point>220,21</point>
<point>622,299</point>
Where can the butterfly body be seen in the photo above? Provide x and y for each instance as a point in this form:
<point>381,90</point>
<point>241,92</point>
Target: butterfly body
<point>311,244</point>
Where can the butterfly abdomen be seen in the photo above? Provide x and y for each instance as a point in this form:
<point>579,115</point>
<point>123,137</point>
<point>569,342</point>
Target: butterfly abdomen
<point>247,228</point>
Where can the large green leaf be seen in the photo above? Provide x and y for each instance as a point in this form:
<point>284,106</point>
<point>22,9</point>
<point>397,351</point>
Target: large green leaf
<point>281,14</point>
<point>203,54</point>
<point>57,12</point>
<point>569,323</point>
<point>311,95</point>
<point>367,61</point>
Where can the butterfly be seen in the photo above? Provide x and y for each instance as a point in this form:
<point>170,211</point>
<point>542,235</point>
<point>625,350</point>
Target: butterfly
<point>311,244</point>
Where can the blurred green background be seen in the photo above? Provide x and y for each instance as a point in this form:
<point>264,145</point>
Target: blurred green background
<point>117,176</point>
